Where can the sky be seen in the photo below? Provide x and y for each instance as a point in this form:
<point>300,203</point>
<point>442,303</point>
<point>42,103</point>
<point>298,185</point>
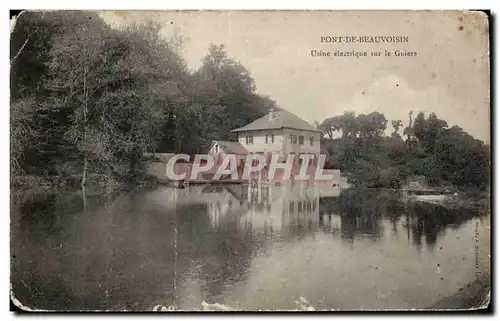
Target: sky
<point>449,74</point>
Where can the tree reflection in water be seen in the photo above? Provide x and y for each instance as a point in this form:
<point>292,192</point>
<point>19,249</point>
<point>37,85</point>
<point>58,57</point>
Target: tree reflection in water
<point>120,252</point>
<point>362,211</point>
<point>429,221</point>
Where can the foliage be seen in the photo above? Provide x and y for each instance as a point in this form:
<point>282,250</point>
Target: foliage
<point>362,126</point>
<point>444,156</point>
<point>91,99</point>
<point>88,99</point>
<point>396,124</point>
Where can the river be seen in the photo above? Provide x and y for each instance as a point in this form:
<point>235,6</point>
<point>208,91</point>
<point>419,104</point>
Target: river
<point>358,249</point>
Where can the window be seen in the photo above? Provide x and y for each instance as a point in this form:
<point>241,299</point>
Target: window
<point>311,140</point>
<point>292,206</point>
<point>270,139</point>
<point>216,149</point>
<point>249,139</point>
<point>301,140</point>
<point>293,139</point>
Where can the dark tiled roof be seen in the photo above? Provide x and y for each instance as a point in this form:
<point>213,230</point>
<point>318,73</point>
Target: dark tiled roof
<point>231,147</point>
<point>280,119</point>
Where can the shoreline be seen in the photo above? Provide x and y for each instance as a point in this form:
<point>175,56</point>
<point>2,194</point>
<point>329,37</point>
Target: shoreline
<point>475,295</point>
<point>455,202</point>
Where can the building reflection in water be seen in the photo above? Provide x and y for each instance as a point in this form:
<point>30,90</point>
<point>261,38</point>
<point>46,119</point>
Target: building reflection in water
<point>202,237</point>
<point>292,210</point>
<point>282,210</point>
<point>266,209</point>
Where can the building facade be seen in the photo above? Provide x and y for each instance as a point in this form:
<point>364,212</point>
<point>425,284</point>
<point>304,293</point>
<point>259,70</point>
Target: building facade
<point>280,132</point>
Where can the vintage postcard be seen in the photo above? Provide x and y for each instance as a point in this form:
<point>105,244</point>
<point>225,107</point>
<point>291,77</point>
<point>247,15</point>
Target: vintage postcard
<point>250,160</point>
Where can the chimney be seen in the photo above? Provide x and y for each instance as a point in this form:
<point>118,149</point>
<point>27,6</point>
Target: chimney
<point>271,114</point>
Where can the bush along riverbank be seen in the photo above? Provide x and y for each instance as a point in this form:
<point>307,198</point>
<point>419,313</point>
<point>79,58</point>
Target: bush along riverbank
<point>97,183</point>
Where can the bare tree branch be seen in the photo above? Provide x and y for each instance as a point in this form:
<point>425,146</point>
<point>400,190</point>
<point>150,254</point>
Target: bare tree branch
<point>27,39</point>
<point>20,50</point>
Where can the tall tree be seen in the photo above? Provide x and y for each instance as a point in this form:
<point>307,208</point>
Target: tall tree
<point>408,131</point>
<point>226,83</point>
<point>371,125</point>
<point>396,124</point>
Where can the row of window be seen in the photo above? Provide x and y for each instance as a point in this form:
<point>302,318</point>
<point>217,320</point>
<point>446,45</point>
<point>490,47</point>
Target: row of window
<point>293,140</point>
<point>303,206</point>
<point>270,139</point>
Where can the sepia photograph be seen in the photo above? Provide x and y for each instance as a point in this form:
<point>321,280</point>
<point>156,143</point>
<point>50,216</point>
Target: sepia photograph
<point>246,160</point>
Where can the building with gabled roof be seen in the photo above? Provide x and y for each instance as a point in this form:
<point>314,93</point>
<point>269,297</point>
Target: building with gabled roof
<point>277,120</point>
<point>276,132</point>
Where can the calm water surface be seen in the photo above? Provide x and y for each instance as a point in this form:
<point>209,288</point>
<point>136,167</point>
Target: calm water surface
<point>353,250</point>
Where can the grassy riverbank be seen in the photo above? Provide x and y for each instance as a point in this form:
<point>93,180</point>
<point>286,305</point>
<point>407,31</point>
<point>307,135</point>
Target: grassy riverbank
<point>476,295</point>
